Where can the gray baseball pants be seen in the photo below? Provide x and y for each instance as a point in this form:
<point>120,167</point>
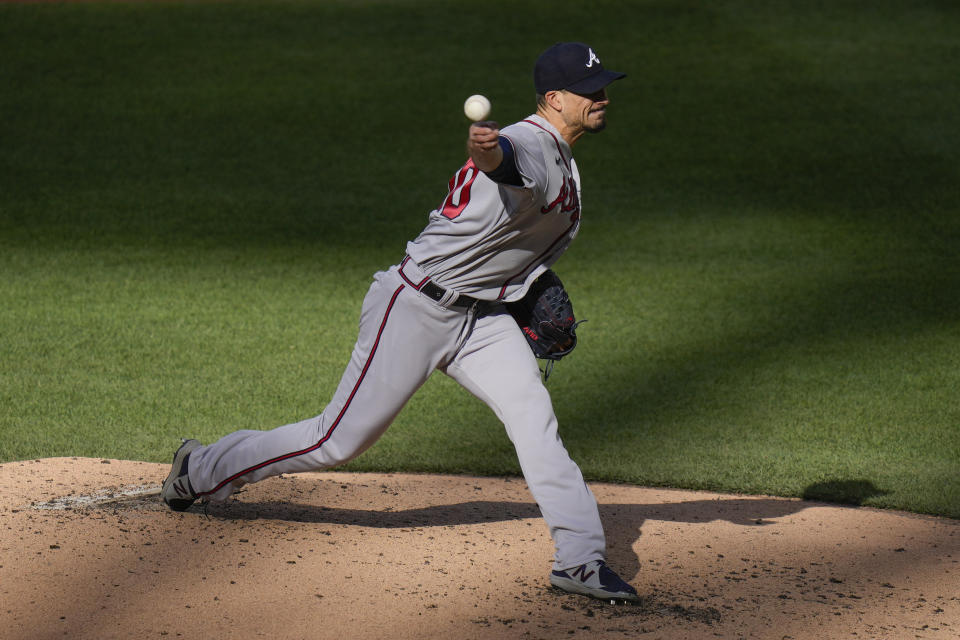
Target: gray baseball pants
<point>403,337</point>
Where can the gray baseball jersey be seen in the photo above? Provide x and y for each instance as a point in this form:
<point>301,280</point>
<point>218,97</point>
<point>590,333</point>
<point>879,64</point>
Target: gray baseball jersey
<point>490,240</point>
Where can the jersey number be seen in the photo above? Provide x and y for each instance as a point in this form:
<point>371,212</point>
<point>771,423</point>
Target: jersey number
<point>459,195</point>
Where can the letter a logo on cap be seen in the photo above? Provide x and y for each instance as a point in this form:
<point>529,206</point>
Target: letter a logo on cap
<point>593,58</point>
<point>570,66</point>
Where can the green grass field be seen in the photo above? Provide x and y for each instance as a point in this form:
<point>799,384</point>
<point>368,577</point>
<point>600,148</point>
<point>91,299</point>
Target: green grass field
<point>193,198</point>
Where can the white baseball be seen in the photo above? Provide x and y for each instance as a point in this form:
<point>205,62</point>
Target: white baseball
<point>477,107</point>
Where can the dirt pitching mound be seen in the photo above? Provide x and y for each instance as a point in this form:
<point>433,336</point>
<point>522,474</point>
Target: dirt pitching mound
<point>88,551</point>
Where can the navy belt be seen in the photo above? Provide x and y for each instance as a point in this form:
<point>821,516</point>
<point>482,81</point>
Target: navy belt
<point>437,292</point>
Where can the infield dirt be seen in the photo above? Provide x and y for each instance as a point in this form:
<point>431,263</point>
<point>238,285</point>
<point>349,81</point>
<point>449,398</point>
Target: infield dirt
<point>88,551</point>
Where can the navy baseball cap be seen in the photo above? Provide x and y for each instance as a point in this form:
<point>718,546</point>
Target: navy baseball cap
<point>572,66</point>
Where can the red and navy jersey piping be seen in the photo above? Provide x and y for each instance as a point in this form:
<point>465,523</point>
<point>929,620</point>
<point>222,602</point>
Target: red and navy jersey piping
<point>336,422</point>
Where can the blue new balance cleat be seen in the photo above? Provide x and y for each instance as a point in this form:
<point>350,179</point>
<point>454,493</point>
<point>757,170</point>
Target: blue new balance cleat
<point>594,579</point>
<point>177,491</point>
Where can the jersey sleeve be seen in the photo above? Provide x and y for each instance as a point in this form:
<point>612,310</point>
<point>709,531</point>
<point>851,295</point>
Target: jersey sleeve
<point>528,156</point>
<point>507,172</point>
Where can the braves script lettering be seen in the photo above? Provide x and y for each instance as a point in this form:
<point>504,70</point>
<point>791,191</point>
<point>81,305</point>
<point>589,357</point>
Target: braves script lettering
<point>567,200</point>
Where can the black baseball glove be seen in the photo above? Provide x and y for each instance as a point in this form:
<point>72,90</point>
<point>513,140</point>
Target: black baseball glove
<point>545,315</point>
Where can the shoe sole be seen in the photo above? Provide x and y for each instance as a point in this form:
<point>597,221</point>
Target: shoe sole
<point>572,586</point>
<point>179,504</point>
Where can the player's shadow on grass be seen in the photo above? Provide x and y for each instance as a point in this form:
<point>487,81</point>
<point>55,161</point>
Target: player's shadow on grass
<point>853,492</point>
<point>622,522</point>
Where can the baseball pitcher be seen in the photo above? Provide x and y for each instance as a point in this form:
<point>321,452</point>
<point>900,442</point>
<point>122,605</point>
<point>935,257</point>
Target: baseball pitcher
<point>474,297</point>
